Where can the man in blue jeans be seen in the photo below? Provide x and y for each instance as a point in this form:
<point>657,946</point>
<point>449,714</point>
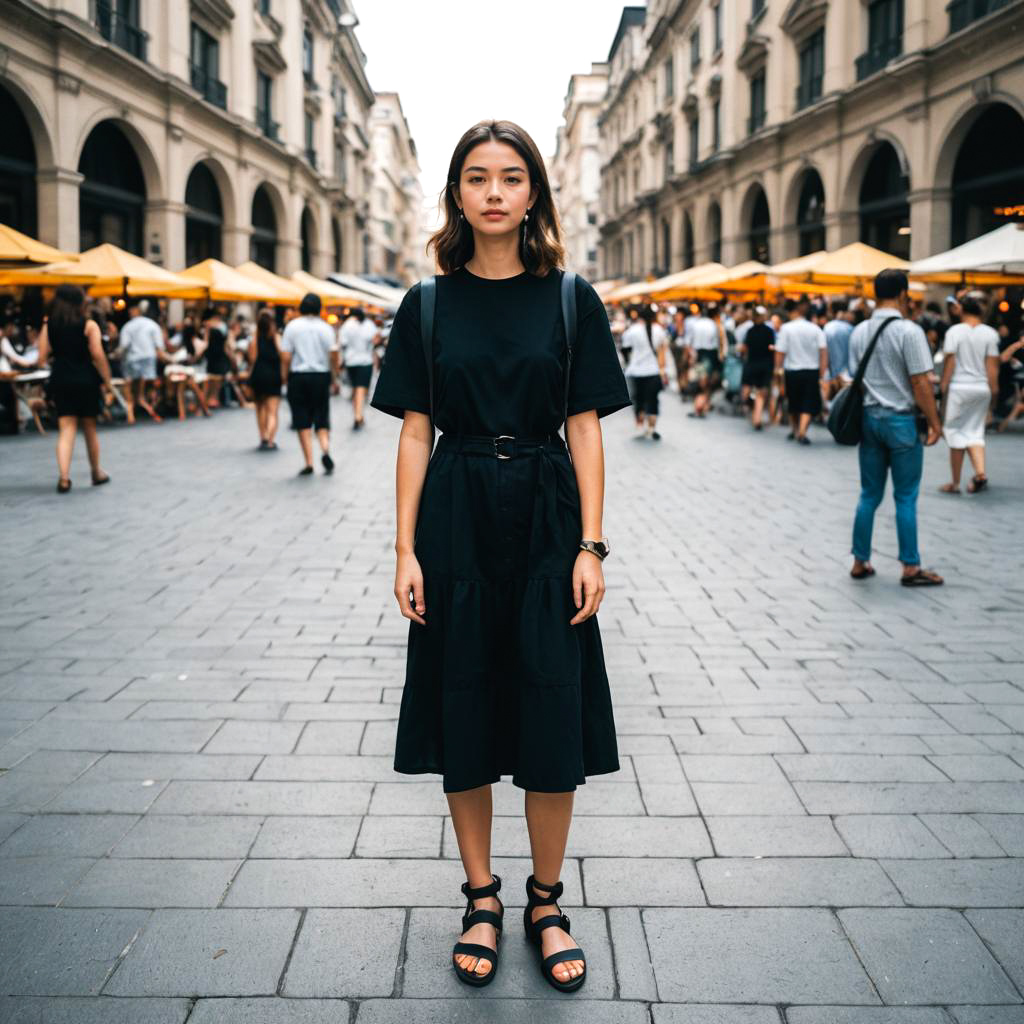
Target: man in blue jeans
<point>898,378</point>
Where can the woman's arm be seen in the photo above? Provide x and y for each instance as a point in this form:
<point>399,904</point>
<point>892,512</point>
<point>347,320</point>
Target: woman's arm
<point>99,358</point>
<point>44,347</point>
<point>948,366</point>
<point>1011,350</point>
<point>992,368</point>
<point>414,444</point>
<point>587,449</point>
<point>253,350</point>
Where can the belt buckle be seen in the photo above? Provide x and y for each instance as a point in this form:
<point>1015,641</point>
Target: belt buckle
<point>497,441</point>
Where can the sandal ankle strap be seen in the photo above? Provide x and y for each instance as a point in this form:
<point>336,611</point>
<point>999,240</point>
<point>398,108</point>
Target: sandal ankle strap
<point>484,891</point>
<point>554,892</point>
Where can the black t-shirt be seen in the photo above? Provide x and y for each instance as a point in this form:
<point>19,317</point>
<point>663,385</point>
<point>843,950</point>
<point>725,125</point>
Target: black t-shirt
<point>759,341</point>
<point>499,356</point>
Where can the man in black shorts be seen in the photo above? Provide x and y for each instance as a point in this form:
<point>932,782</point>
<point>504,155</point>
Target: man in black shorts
<point>801,350</point>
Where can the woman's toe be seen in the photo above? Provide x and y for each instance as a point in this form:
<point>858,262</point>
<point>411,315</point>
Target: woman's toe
<point>483,967</point>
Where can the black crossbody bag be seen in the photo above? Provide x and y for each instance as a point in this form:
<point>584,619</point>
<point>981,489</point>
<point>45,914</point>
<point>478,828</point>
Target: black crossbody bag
<point>846,417</point>
<point>428,301</point>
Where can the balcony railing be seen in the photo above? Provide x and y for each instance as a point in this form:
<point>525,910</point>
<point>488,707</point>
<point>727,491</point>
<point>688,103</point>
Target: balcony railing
<point>269,127</point>
<point>755,122</point>
<point>963,12</point>
<point>213,91</point>
<point>878,56</point>
<point>117,29</point>
<point>808,92</point>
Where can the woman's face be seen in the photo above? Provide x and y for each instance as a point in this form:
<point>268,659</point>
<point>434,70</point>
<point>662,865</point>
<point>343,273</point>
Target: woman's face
<point>494,190</point>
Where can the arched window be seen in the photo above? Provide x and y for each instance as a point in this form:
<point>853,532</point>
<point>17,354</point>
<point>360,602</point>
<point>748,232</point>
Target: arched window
<point>336,238</point>
<point>988,178</point>
<point>884,210</point>
<point>760,228</point>
<point>715,233</point>
<point>306,231</point>
<point>204,216</point>
<point>810,214</point>
<point>263,247</point>
<point>112,196</point>
<point>17,168</point>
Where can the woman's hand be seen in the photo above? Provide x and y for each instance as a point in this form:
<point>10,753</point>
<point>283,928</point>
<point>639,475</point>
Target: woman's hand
<point>409,588</point>
<point>587,586</point>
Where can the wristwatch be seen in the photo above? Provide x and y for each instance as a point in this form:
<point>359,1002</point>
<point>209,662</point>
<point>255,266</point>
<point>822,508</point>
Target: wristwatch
<point>601,547</point>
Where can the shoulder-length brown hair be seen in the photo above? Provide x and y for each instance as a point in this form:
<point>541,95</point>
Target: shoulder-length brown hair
<point>540,242</point>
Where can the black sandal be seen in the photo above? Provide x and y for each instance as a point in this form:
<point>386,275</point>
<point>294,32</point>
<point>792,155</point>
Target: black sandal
<point>473,917</point>
<point>534,929</point>
<point>862,574</point>
<point>922,578</point>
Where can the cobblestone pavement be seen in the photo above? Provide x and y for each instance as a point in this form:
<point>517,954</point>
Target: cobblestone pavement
<point>819,817</point>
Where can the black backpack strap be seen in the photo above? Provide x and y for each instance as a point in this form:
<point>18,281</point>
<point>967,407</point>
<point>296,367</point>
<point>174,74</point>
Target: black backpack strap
<point>569,322</point>
<point>862,366</point>
<point>428,298</point>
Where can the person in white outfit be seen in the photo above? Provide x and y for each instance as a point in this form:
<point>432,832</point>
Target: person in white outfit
<point>647,343</point>
<point>970,373</point>
<point>359,335</point>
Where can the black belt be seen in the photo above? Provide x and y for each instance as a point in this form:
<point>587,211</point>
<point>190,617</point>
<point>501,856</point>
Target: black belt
<point>502,447</point>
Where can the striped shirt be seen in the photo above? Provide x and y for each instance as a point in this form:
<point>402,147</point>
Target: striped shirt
<point>902,352</point>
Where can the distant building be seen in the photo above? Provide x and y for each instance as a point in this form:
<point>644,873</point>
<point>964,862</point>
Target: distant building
<point>766,129</point>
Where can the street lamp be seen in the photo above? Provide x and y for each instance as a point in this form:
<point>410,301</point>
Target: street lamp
<point>348,20</point>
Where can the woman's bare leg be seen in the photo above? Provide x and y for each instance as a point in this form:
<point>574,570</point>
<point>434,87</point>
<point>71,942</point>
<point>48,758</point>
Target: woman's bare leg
<point>548,817</point>
<point>471,816</point>
<point>261,417</point>
<point>976,453</point>
<point>272,403</point>
<point>92,445</point>
<point>67,428</point>
<point>306,444</point>
<point>358,401</point>
<point>956,464</point>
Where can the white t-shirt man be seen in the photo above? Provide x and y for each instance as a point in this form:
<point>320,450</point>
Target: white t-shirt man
<point>703,334</point>
<point>311,341</point>
<point>141,338</point>
<point>802,343</point>
<point>643,358</point>
<point>357,337</point>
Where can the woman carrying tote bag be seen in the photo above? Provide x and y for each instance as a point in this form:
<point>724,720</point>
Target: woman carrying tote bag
<point>499,532</point>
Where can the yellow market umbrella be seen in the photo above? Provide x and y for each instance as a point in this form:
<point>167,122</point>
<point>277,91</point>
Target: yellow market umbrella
<point>267,277</point>
<point>105,270</point>
<point>751,276</point>
<point>18,248</point>
<point>330,294</point>
<point>220,283</point>
<point>799,265</point>
<point>854,265</point>
<point>603,288</point>
<point>684,283</point>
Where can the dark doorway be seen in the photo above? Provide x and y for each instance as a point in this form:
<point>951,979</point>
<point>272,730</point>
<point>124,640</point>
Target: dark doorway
<point>715,233</point>
<point>17,168</point>
<point>884,210</point>
<point>760,228</point>
<point>810,214</point>
<point>688,256</point>
<point>112,196</point>
<point>988,178</point>
<point>204,216</point>
<point>263,244</point>
<point>306,231</point>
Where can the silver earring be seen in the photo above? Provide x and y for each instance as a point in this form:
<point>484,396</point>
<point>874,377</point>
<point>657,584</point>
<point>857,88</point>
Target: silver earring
<point>527,216</point>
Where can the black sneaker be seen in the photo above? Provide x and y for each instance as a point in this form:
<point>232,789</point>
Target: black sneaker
<point>655,436</point>
<point>328,463</point>
<point>804,440</point>
<point>791,436</point>
<point>306,471</point>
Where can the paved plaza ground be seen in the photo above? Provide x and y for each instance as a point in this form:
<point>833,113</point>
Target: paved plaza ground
<point>819,817</point>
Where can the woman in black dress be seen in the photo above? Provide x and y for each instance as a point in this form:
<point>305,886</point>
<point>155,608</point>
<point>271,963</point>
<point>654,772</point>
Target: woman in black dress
<point>79,365</point>
<point>499,533</point>
<point>218,363</point>
<point>265,378</point>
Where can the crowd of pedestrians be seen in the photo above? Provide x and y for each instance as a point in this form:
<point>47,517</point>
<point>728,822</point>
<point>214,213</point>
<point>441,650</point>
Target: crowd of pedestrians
<point>118,360</point>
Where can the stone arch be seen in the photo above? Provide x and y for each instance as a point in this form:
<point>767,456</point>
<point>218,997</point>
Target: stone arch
<point>268,224</point>
<point>859,165</point>
<point>714,231</point>
<point>204,215</point>
<point>883,203</point>
<point>31,109</point>
<point>756,223</point>
<point>309,237</point>
<point>140,144</point>
<point>804,209</point>
<point>957,129</point>
<point>225,185</point>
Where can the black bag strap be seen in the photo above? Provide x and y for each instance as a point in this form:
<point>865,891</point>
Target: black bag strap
<point>862,366</point>
<point>569,321</point>
<point>428,299</point>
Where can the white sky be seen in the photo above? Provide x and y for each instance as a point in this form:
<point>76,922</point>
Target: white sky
<point>456,62</point>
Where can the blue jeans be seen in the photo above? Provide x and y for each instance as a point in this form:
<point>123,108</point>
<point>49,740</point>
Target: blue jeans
<point>889,441</point>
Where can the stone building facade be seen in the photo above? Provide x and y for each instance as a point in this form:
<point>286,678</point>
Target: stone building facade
<point>229,128</point>
<point>740,129</point>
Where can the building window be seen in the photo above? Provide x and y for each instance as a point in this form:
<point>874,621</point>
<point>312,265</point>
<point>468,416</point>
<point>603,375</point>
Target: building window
<point>810,214</point>
<point>307,55</point>
<point>716,23</point>
<point>263,6</point>
<point>265,105</point>
<point>309,131</point>
<point>757,111</point>
<point>592,217</point>
<point>670,85</point>
<point>694,141</point>
<point>812,70</point>
<point>885,37</point>
<point>118,23</point>
<point>204,60</point>
<point>340,167</point>
<point>716,126</point>
<point>670,159</point>
<point>756,9</point>
<point>963,12</point>
<point>715,233</point>
<point>695,49</point>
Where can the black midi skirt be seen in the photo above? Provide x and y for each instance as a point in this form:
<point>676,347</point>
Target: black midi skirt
<point>497,681</point>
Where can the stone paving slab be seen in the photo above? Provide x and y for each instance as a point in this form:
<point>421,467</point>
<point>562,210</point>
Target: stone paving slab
<point>202,752</point>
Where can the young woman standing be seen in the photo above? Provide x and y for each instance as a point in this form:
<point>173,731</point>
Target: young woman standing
<point>79,366</point>
<point>499,534</point>
<point>265,378</point>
